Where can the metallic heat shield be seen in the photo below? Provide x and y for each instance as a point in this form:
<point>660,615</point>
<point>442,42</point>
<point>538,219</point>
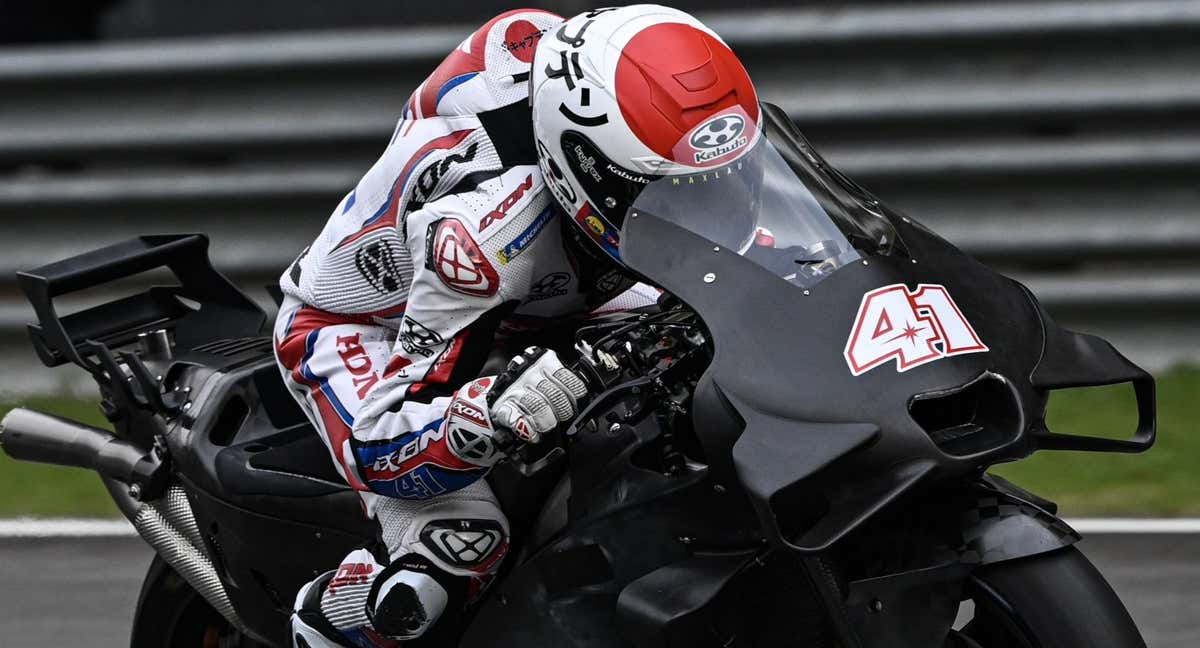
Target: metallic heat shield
<point>167,525</point>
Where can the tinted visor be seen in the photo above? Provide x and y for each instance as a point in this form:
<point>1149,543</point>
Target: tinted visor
<point>720,204</point>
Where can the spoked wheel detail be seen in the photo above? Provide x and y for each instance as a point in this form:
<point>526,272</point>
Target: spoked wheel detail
<point>994,623</point>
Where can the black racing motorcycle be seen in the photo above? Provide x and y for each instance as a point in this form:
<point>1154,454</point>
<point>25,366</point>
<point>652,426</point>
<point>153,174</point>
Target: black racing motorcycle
<point>789,450</point>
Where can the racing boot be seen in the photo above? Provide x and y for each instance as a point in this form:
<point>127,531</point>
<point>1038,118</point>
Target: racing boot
<point>365,605</point>
<point>308,627</point>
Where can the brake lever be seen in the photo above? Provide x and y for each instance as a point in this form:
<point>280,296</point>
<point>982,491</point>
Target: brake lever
<point>607,399</point>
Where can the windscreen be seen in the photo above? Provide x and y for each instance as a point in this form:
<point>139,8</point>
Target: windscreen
<point>778,205</point>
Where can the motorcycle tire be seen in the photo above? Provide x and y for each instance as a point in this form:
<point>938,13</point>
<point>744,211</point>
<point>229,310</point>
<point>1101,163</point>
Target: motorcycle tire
<point>1052,600</point>
<point>171,613</point>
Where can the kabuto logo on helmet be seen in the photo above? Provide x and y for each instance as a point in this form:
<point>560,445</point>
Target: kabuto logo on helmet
<point>720,135</point>
<point>715,140</point>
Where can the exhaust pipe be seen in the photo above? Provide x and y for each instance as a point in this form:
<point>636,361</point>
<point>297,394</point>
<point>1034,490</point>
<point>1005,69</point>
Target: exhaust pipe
<point>169,527</point>
<point>166,524</point>
<point>27,435</point>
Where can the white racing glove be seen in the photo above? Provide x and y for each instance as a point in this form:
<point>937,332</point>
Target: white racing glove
<point>535,394</point>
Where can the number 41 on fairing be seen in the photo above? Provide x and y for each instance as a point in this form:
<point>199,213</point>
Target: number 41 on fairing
<point>913,328</point>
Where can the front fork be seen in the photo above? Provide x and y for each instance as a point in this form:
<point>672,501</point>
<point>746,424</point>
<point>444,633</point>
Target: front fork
<point>915,606</point>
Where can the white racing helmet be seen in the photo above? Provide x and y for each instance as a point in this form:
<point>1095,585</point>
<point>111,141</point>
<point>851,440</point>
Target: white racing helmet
<point>625,96</point>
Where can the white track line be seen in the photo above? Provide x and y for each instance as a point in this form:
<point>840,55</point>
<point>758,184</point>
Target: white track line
<point>64,528</point>
<point>1136,525</point>
<point>102,528</point>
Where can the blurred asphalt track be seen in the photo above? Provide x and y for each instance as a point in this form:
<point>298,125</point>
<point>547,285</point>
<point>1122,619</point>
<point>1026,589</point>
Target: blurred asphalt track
<point>81,592</point>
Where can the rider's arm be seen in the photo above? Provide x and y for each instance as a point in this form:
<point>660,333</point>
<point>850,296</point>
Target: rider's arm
<point>455,304</point>
<point>414,438</point>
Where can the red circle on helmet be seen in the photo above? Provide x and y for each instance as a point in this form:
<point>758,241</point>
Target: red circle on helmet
<point>673,76</point>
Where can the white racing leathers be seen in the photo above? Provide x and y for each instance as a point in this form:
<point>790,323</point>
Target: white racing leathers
<point>449,243</point>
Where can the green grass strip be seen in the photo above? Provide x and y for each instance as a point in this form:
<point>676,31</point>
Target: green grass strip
<point>1161,482</point>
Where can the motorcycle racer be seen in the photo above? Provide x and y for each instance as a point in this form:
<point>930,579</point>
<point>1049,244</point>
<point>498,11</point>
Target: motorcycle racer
<point>454,240</point>
<point>823,377</point>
